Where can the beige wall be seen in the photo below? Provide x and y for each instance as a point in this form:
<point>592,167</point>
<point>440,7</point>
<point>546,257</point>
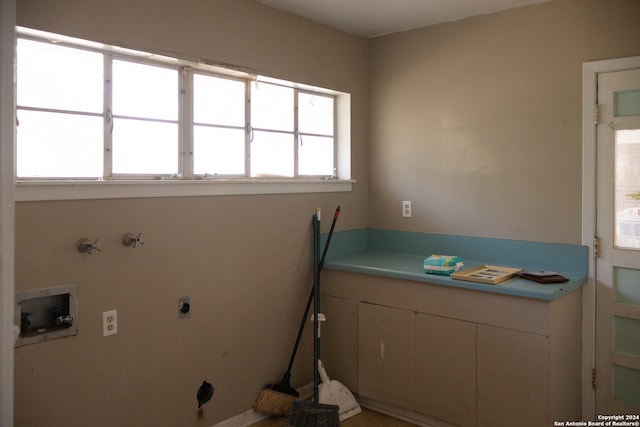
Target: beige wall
<point>478,122</point>
<point>244,260</point>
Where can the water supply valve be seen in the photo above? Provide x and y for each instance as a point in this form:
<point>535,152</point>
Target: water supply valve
<point>65,320</point>
<point>129,240</point>
<point>86,246</point>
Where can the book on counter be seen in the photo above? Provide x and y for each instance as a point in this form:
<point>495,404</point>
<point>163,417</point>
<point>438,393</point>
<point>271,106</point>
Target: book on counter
<point>542,276</point>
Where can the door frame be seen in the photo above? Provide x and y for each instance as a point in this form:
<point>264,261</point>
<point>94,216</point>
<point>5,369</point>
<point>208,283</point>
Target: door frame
<point>590,71</point>
<point>7,206</point>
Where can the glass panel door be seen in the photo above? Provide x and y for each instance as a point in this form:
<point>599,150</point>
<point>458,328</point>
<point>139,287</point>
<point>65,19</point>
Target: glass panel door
<point>618,229</point>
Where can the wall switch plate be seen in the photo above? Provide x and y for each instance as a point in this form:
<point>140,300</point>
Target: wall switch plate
<point>406,209</point>
<point>109,323</point>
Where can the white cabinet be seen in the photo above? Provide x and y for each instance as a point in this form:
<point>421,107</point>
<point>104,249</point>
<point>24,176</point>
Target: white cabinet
<point>446,369</point>
<point>386,354</point>
<point>418,362</point>
<point>513,378</point>
<point>466,357</point>
<point>339,340</point>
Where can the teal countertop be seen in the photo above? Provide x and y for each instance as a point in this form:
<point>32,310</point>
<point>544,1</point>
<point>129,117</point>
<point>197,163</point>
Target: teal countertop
<point>382,253</point>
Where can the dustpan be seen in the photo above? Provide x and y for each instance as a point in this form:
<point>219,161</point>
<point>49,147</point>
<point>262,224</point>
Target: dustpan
<point>314,413</point>
<point>333,392</point>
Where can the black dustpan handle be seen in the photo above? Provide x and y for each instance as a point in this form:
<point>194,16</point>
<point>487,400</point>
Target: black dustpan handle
<point>316,305</point>
<point>306,310</point>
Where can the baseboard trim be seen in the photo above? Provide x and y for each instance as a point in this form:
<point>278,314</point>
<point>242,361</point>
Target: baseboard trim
<point>401,413</point>
<point>251,417</point>
<point>245,419</point>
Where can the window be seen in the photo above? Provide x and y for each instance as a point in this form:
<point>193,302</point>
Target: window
<point>219,129</point>
<point>143,120</point>
<point>60,111</point>
<point>95,113</point>
<point>316,133</point>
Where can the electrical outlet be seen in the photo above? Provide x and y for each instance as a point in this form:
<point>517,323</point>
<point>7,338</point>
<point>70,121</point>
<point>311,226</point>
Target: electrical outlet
<point>184,307</point>
<point>406,209</point>
<point>109,323</point>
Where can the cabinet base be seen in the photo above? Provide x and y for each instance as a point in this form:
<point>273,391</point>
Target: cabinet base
<point>402,413</point>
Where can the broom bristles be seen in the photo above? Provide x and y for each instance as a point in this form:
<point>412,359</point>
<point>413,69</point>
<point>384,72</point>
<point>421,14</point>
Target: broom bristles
<point>274,403</point>
<point>310,414</point>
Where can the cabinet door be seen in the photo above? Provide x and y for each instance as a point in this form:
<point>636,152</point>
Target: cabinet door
<point>446,369</point>
<point>386,354</point>
<point>339,341</point>
<point>513,378</point>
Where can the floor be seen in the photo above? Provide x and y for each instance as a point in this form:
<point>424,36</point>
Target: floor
<point>367,418</point>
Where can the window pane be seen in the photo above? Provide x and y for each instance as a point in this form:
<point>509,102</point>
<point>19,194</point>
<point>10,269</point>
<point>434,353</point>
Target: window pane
<point>50,76</point>
<point>626,103</point>
<point>626,384</point>
<point>141,147</point>
<point>145,91</point>
<point>315,114</point>
<point>627,285</point>
<point>315,156</point>
<point>627,188</point>
<point>272,154</point>
<point>625,335</point>
<point>218,101</point>
<point>271,107</point>
<point>58,145</point>
<point>218,151</point>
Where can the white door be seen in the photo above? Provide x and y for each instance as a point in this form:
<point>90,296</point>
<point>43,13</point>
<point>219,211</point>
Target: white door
<point>618,230</point>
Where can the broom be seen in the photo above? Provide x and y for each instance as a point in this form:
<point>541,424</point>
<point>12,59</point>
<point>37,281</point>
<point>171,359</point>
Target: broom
<point>305,413</point>
<point>277,399</point>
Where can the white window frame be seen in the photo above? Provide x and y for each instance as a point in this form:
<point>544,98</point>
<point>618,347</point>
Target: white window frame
<point>187,183</point>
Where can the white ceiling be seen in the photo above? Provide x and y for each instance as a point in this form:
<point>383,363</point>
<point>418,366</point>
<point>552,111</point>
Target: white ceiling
<point>371,18</point>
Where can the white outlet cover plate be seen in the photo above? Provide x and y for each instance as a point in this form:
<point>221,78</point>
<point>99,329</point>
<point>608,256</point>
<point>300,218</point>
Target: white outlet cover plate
<point>406,209</point>
<point>109,323</point>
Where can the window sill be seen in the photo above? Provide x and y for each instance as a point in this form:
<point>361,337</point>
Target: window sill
<point>77,190</point>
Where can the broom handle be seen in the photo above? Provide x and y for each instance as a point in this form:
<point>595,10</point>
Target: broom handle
<point>306,310</point>
<point>326,245</point>
<point>316,308</point>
